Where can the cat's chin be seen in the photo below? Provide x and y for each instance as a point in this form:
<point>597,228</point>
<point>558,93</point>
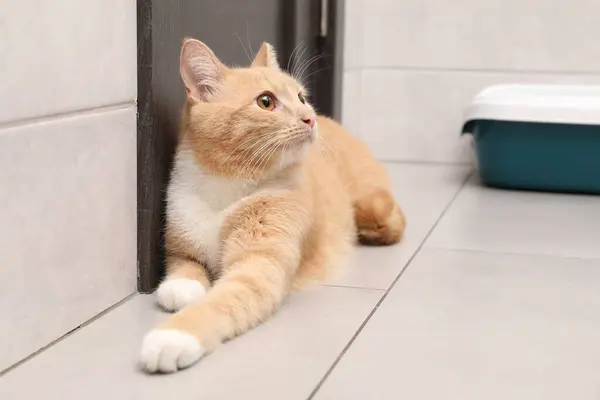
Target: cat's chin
<point>286,160</point>
<point>295,154</point>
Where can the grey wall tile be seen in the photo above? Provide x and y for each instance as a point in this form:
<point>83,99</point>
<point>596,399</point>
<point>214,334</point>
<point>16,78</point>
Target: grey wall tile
<point>64,56</point>
<point>353,34</point>
<point>537,35</point>
<point>417,115</point>
<point>68,231</point>
<point>351,103</point>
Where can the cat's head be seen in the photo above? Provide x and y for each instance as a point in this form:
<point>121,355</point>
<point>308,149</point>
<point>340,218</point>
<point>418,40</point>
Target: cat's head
<point>243,122</point>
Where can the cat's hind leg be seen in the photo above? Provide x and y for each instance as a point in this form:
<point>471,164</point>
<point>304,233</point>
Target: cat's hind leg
<point>379,220</point>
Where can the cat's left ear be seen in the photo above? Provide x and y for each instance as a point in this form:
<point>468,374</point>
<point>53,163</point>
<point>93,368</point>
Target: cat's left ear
<point>266,57</point>
<point>201,71</point>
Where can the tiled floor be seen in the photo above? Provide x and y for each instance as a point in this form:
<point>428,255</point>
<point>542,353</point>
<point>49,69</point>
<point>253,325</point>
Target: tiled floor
<point>492,295</point>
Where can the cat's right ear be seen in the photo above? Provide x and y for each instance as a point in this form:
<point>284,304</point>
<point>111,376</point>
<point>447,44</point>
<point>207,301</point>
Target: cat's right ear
<point>201,71</point>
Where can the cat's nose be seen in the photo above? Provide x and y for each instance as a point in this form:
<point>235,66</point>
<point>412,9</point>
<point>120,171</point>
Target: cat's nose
<point>310,121</point>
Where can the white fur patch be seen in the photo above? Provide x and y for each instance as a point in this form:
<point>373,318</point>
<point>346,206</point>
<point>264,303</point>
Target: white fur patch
<point>198,203</point>
<point>169,350</point>
<point>176,293</point>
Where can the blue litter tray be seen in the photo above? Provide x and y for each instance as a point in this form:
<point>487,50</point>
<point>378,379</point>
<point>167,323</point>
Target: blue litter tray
<point>537,137</point>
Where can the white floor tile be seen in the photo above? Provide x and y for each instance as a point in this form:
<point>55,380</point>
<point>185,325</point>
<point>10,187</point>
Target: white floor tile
<point>520,222</point>
<point>465,325</point>
<point>463,322</point>
<point>283,359</point>
<point>423,191</point>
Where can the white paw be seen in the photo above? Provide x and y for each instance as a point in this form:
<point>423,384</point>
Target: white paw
<point>167,350</point>
<point>176,293</point>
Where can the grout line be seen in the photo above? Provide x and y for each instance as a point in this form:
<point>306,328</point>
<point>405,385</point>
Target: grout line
<point>508,253</point>
<point>408,68</point>
<point>355,287</point>
<point>424,162</point>
<point>366,321</point>
<point>66,335</point>
<point>355,68</point>
<point>66,114</point>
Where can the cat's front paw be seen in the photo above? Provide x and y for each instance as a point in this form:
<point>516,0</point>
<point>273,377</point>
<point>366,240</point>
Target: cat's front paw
<point>176,293</point>
<point>169,350</point>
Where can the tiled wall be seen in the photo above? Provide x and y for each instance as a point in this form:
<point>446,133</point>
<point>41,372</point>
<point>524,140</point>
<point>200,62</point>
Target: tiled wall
<point>412,65</point>
<point>67,166</point>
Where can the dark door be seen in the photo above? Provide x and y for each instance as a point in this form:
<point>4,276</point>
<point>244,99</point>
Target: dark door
<point>234,30</point>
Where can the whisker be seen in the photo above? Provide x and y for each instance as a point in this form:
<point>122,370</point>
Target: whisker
<point>297,64</point>
<point>287,137</point>
<point>265,157</point>
<point>316,72</point>
<point>248,41</point>
<point>326,148</point>
<point>253,154</point>
<point>256,153</point>
<point>243,47</point>
<point>247,141</point>
<point>308,63</point>
<point>284,144</point>
<point>292,56</point>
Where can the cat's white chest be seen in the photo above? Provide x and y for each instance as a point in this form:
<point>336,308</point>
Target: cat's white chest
<point>198,204</point>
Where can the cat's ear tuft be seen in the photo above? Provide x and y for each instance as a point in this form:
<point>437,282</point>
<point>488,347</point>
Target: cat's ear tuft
<point>201,71</point>
<point>266,57</point>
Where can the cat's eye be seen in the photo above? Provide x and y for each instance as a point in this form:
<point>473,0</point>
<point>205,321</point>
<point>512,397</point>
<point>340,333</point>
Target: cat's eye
<point>301,98</point>
<point>266,101</point>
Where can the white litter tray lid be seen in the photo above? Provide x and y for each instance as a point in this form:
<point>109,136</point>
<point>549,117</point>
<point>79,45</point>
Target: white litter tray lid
<point>564,104</point>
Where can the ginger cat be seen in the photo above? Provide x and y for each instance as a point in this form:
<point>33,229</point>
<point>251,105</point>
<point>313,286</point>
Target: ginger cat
<point>265,197</point>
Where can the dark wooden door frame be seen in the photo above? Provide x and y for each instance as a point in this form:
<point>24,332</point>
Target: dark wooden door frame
<point>159,36</point>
